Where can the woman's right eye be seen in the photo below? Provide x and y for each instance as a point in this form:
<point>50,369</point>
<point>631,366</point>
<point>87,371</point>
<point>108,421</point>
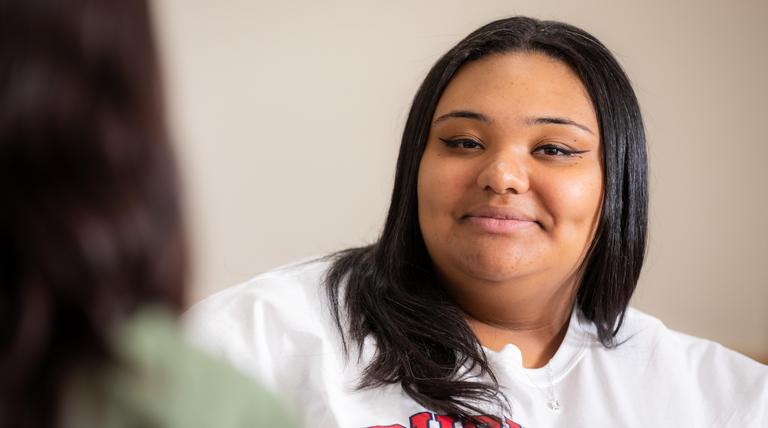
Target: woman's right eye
<point>461,143</point>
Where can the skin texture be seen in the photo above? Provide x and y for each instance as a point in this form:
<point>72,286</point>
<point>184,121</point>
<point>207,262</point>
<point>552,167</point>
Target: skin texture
<point>509,194</point>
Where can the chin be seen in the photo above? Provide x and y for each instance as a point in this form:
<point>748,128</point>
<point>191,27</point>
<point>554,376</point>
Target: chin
<point>496,265</point>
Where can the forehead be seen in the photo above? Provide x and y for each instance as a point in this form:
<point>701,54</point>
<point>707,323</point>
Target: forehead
<point>514,86</point>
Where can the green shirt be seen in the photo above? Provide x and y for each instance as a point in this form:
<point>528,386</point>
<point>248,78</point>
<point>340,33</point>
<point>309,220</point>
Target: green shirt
<point>164,382</point>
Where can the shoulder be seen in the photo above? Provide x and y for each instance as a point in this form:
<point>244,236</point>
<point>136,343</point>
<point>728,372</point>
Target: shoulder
<point>262,325</point>
<point>644,329</point>
<point>277,295</point>
<point>279,329</point>
<point>299,280</point>
<point>721,378</point>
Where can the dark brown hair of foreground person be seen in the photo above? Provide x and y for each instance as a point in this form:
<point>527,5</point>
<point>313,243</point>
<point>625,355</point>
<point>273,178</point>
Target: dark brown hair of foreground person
<point>89,224</point>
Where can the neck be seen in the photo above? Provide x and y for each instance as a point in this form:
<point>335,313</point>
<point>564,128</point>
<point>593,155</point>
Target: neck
<point>533,322</point>
<point>538,343</point>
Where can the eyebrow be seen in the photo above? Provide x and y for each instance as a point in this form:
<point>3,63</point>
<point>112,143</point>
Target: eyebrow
<point>557,121</point>
<point>463,114</point>
<point>545,120</point>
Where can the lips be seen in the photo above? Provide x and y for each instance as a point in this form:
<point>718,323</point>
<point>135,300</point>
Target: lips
<point>500,220</point>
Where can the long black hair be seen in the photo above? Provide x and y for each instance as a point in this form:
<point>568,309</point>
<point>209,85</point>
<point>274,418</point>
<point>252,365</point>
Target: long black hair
<point>389,290</point>
<point>90,225</point>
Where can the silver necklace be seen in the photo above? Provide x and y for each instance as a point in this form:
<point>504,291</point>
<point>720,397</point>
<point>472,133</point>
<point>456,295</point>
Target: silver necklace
<point>552,402</point>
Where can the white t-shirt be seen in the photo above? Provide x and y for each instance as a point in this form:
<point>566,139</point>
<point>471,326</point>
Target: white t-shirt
<point>278,328</point>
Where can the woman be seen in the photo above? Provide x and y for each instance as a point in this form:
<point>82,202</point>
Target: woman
<point>92,252</point>
<point>497,293</point>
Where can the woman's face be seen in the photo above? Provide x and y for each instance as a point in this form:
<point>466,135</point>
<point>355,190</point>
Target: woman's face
<point>511,180</point>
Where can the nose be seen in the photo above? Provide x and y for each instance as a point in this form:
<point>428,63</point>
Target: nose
<point>504,175</point>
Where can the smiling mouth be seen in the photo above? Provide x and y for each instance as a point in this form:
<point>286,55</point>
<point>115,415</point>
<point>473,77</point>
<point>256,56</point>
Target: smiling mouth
<point>500,219</point>
<point>498,224</point>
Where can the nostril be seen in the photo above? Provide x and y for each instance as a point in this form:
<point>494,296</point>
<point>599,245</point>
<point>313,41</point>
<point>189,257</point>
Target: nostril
<point>503,177</point>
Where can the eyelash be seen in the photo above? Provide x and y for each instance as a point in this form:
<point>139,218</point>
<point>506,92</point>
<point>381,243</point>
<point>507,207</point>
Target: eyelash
<point>459,143</point>
<point>462,143</point>
<point>554,147</point>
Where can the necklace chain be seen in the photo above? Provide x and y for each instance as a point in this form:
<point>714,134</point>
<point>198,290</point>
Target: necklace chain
<point>552,402</point>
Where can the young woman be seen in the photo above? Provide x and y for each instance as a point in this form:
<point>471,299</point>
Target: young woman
<point>497,293</point>
<point>92,251</point>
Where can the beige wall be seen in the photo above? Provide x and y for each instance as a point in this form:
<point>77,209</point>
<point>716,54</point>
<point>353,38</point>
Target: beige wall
<point>288,115</point>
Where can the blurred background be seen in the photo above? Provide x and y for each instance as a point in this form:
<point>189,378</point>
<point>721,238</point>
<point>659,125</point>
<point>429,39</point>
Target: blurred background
<point>287,116</point>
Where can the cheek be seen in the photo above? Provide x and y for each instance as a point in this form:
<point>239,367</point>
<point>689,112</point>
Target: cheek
<point>441,186</point>
<point>574,202</point>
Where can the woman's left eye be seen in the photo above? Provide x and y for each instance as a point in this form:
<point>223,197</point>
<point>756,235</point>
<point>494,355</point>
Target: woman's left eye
<point>555,150</point>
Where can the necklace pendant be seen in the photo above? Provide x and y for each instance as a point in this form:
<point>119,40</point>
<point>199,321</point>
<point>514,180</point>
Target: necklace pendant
<point>554,405</point>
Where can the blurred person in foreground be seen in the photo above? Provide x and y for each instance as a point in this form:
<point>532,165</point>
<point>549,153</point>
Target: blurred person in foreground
<point>92,247</point>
